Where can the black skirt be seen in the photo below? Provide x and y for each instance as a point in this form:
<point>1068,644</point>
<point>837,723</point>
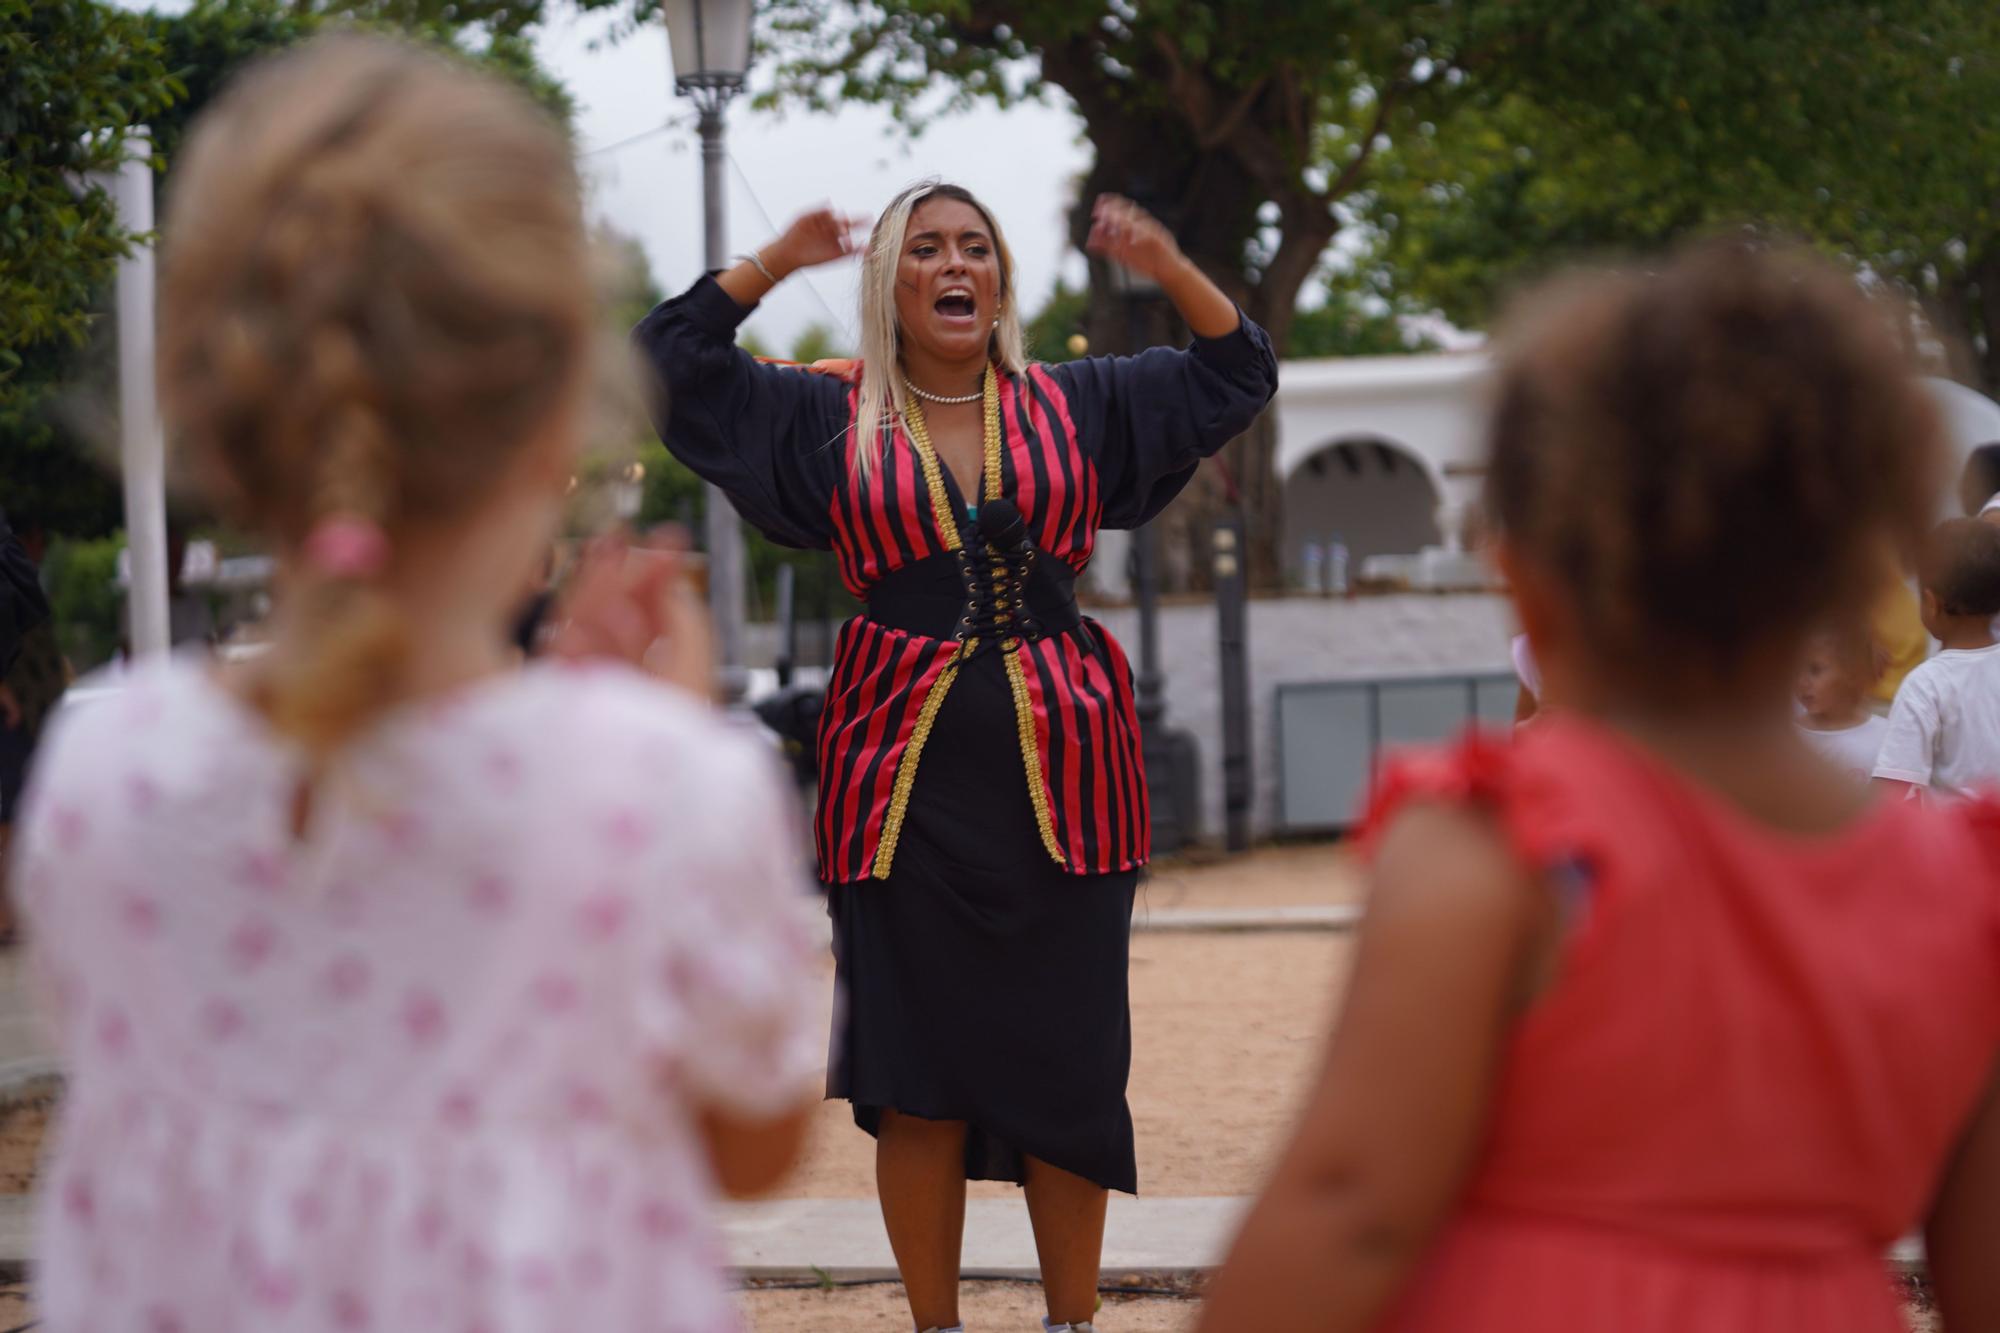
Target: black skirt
<point>981,982</point>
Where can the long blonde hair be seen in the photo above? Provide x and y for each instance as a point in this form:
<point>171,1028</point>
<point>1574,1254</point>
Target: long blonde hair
<point>883,397</point>
<point>375,294</point>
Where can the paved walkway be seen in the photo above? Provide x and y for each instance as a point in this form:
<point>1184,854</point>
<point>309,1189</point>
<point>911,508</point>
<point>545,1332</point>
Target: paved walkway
<point>843,1238</point>
<point>1328,916</point>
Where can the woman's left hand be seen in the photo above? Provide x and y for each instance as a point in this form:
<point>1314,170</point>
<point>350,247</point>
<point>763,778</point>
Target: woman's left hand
<point>634,603</point>
<point>1127,234</point>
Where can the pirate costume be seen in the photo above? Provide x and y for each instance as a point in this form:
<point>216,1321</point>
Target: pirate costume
<point>982,812</point>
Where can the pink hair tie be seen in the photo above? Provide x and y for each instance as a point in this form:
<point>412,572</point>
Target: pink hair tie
<point>345,546</point>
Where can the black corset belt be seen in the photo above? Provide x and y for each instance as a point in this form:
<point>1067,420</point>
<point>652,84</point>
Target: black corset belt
<point>982,591</point>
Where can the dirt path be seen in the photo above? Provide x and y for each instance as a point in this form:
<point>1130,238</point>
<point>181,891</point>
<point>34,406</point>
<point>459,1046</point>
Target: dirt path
<point>1225,1031</point>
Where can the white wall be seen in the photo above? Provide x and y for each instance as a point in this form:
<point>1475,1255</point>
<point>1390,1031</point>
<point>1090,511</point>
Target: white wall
<point>1295,639</point>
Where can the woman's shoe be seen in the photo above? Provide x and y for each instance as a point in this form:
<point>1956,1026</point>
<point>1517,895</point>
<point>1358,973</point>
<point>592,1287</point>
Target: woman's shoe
<point>1085,1327</point>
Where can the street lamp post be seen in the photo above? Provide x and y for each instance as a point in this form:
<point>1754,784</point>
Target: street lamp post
<point>1167,756</point>
<point>711,51</point>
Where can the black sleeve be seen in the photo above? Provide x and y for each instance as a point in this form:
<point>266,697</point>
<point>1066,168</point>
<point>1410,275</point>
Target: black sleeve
<point>769,436</point>
<point>22,604</point>
<point>1147,420</point>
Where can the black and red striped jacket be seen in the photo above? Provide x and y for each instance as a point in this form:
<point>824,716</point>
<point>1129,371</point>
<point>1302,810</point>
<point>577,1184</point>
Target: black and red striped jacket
<point>1103,442</point>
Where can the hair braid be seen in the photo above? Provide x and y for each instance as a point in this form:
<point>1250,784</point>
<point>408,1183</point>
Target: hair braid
<point>375,292</point>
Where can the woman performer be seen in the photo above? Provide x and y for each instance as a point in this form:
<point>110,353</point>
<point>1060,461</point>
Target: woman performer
<point>982,809</point>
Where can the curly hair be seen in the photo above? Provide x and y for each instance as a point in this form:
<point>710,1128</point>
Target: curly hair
<point>374,294</point>
<point>1960,567</point>
<point>1709,457</point>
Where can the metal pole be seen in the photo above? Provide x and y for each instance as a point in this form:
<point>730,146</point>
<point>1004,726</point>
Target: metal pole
<point>142,446</point>
<point>723,530</point>
<point>788,630</point>
<point>1146,575</point>
<point>1232,642</point>
<point>1170,831</point>
<point>1152,703</point>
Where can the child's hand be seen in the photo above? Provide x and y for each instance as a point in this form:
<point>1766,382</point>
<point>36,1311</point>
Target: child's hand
<point>634,603</point>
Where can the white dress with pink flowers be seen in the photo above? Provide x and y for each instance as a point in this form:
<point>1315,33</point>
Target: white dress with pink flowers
<point>438,1066</point>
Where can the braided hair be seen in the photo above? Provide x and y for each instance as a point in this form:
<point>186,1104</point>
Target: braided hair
<point>374,294</point>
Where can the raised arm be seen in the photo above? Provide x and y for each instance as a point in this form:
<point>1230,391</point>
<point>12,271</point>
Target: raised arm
<point>1148,420</point>
<point>769,436</point>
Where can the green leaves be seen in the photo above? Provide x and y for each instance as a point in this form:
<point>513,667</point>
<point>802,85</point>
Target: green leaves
<point>1863,128</point>
<point>80,77</point>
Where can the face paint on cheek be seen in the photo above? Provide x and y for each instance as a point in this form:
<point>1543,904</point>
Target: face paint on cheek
<point>907,285</point>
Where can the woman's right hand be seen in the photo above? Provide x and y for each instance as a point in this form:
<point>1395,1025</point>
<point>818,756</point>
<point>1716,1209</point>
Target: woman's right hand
<point>818,237</point>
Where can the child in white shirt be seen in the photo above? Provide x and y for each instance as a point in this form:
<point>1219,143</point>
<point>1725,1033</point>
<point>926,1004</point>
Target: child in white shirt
<point>1944,730</point>
<point>1833,685</point>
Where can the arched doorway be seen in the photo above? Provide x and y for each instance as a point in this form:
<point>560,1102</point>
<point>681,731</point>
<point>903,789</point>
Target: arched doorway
<point>1371,494</point>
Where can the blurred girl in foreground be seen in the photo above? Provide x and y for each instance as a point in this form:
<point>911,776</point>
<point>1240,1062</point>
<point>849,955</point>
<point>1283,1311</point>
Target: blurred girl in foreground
<point>1659,1021</point>
<point>400,988</point>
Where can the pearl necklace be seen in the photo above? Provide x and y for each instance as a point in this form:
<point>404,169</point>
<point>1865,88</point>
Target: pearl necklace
<point>948,399</point>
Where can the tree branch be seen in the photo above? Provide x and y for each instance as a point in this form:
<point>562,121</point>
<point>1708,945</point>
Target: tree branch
<point>1350,175</point>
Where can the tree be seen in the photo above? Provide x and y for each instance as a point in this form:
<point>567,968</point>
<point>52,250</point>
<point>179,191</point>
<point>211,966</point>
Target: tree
<point>1354,322</point>
<point>816,342</point>
<point>1247,125</point>
<point>81,75</point>
<point>1881,161</point>
<point>1060,321</point>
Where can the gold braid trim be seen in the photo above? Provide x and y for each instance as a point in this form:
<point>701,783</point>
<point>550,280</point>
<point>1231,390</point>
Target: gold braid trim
<point>920,440</point>
<point>1031,755</point>
<point>906,772</point>
<point>1017,677</point>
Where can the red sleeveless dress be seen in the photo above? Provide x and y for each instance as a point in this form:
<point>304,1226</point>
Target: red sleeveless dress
<point>1744,1084</point>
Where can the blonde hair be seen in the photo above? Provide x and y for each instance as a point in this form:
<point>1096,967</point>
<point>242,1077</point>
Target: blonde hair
<point>883,397</point>
<point>375,293</point>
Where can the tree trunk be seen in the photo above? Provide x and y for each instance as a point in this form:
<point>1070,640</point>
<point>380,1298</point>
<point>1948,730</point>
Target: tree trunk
<point>1209,197</point>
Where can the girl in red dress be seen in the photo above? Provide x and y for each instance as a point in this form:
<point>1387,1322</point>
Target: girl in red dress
<point>1658,1024</point>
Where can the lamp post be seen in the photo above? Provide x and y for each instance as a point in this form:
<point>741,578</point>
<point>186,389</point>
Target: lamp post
<point>711,51</point>
<point>141,443</point>
<point>1167,756</point>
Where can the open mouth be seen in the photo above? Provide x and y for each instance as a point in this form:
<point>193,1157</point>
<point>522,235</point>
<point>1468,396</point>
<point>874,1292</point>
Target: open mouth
<point>956,303</point>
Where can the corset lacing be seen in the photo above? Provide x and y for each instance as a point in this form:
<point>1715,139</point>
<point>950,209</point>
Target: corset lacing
<point>995,569</point>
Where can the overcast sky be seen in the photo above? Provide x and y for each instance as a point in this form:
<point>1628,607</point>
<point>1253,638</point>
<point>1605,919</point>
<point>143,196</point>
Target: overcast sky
<point>1023,162</point>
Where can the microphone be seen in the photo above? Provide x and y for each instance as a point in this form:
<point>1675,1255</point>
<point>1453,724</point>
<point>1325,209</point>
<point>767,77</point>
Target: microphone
<point>1001,525</point>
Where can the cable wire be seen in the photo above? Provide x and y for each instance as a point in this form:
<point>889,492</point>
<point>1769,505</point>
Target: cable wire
<point>839,322</point>
<point>675,123</point>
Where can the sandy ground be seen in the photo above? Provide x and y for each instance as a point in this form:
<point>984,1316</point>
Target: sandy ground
<point>988,1307</point>
<point>1282,876</point>
<point>21,1128</point>
<point>1226,1029</point>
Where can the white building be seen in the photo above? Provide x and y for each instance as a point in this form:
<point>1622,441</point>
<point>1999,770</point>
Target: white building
<point>1386,452</point>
